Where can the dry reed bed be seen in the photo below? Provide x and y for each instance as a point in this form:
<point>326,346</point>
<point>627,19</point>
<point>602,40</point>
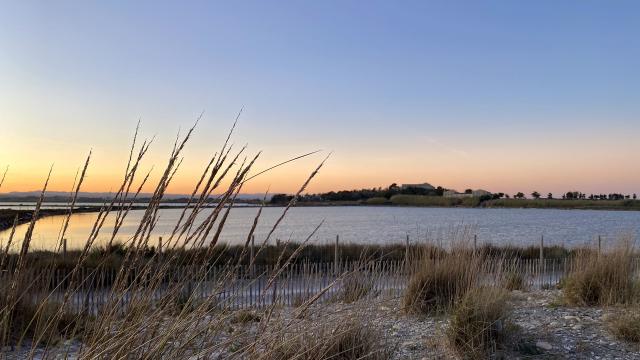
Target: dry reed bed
<point>179,324</point>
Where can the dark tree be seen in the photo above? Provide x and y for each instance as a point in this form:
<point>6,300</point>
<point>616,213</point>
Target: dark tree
<point>498,196</point>
<point>535,195</point>
<point>549,196</point>
<point>280,198</point>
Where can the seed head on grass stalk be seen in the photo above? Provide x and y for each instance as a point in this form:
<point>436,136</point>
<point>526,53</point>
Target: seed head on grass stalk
<point>137,327</point>
<point>102,215</point>
<point>293,200</point>
<point>17,274</point>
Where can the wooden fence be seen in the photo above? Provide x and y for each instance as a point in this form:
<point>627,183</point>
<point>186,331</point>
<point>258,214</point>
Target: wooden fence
<point>260,286</point>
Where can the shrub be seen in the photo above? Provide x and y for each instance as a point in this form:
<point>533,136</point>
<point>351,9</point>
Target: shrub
<point>376,201</point>
<point>43,322</point>
<point>605,279</point>
<point>340,341</point>
<point>627,327</point>
<point>478,322</point>
<point>514,280</point>
<point>436,285</point>
<point>355,286</point>
<point>244,317</point>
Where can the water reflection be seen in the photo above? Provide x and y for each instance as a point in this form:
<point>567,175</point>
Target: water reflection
<point>367,225</point>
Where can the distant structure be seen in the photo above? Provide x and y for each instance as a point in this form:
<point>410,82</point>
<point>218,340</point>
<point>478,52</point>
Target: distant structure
<point>425,186</point>
<point>474,193</point>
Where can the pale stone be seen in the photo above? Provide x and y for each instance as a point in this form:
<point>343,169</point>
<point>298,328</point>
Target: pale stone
<point>544,345</point>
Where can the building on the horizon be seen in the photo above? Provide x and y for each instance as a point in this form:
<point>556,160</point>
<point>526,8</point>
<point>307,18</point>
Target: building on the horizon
<point>425,186</point>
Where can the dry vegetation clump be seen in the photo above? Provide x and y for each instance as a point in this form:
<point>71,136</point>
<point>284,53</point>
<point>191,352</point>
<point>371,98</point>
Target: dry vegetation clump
<point>514,280</point>
<point>478,322</point>
<point>147,309</point>
<point>111,257</point>
<point>43,322</point>
<point>346,340</point>
<point>524,253</point>
<point>354,286</point>
<point>245,316</point>
<point>437,284</point>
<point>21,318</point>
<point>603,279</point>
<point>627,326</point>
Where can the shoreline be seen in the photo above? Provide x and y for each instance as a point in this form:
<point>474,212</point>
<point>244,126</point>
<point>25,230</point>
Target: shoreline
<point>7,216</point>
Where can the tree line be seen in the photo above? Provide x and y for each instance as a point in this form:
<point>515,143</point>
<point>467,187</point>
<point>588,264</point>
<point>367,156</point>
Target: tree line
<point>360,194</point>
<point>394,189</point>
<point>574,195</point>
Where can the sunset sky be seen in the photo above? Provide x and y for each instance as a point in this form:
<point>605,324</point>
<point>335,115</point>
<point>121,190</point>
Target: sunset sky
<point>502,95</point>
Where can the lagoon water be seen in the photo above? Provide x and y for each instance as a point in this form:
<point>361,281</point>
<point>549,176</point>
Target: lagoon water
<point>364,224</point>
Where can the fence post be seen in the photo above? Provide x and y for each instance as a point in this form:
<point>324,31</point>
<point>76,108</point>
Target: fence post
<point>475,244</point>
<point>252,254</point>
<point>541,252</point>
<point>160,245</point>
<point>599,244</point>
<point>406,254</point>
<point>64,248</point>
<point>275,280</point>
<point>336,256</point>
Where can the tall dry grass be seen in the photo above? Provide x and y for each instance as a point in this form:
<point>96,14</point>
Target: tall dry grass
<point>470,287</point>
<point>134,322</point>
<point>478,326</point>
<point>606,278</point>
<point>437,284</point>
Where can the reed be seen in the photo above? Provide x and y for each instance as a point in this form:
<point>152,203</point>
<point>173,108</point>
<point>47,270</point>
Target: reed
<point>606,278</point>
<point>346,340</point>
<point>626,326</point>
<point>38,312</point>
<point>437,283</point>
<point>478,323</point>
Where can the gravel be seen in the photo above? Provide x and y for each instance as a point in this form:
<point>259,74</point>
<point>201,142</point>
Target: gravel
<point>540,328</point>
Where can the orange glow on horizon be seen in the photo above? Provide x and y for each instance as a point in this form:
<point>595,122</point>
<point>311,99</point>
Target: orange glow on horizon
<point>508,166</point>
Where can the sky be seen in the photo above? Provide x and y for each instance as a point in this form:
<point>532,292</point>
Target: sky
<point>502,95</point>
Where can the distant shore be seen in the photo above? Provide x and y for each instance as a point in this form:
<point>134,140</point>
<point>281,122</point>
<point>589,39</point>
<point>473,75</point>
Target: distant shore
<point>475,202</point>
<point>7,216</point>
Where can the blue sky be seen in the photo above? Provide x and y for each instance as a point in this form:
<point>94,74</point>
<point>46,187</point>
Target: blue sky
<point>503,95</point>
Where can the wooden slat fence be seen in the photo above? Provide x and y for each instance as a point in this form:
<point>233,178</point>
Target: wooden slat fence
<point>258,287</point>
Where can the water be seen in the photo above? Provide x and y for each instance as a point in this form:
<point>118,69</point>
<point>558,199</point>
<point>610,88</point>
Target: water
<point>362,224</point>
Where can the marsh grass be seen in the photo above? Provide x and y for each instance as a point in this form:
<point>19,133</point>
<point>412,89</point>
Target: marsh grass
<point>607,278</point>
<point>355,286</point>
<point>245,316</point>
<point>343,340</point>
<point>514,280</point>
<point>133,322</point>
<point>626,326</point>
<point>436,284</point>
<point>478,323</point>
